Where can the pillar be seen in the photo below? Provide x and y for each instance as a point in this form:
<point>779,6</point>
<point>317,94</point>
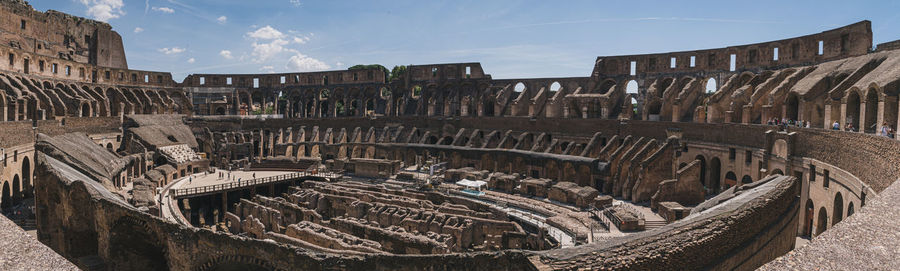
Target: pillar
<point>828,120</point>
<point>676,109</point>
<point>861,122</point>
<point>879,119</point>
<point>843,119</point>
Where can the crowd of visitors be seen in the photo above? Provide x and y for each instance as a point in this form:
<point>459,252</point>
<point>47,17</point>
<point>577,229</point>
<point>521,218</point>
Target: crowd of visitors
<point>887,130</point>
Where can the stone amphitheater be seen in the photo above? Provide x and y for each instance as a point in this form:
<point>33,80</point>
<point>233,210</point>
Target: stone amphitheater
<point>790,162</point>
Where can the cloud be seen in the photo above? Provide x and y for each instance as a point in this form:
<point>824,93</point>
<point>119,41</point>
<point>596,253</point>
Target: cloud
<point>267,69</point>
<point>296,3</point>
<point>265,51</point>
<point>226,54</point>
<point>222,19</point>
<point>192,60</point>
<point>301,62</point>
<point>164,10</point>
<point>104,10</point>
<point>138,30</point>
<point>266,33</point>
<point>339,64</point>
<point>301,40</point>
<point>171,51</point>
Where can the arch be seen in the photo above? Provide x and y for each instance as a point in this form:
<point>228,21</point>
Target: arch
<point>236,263</point>
<point>16,189</point>
<point>837,213</point>
<point>715,175</point>
<point>777,171</point>
<point>631,87</point>
<point>822,222</point>
<point>808,221</point>
<point>26,178</point>
<point>109,147</point>
<point>850,209</point>
<point>519,87</point>
<point>853,103</point>
<point>555,86</point>
<point>703,180</point>
<point>870,123</point>
<point>746,179</point>
<point>6,199</point>
<point>416,91</point>
<point>792,105</point>
<point>711,85</point>
<point>730,179</point>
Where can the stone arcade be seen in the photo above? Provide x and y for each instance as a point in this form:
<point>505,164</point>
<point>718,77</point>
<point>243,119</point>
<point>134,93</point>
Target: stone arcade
<point>633,167</point>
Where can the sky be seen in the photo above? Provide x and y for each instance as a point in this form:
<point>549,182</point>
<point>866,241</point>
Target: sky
<point>511,39</point>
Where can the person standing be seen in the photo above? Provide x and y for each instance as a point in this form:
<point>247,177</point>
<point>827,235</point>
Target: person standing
<point>836,126</point>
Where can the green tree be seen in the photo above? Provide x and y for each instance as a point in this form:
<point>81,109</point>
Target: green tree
<point>397,72</point>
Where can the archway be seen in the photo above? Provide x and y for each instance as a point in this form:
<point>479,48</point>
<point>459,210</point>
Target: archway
<point>850,209</point>
<point>133,246</point>
<point>730,179</point>
<point>711,86</point>
<point>703,180</point>
<point>808,222</point>
<point>746,179</point>
<point>715,175</point>
<point>871,112</point>
<point>631,87</point>
<point>85,110</point>
<point>777,171</point>
<point>6,199</point>
<point>109,147</point>
<point>853,109</point>
<point>27,188</point>
<point>822,223</point>
<point>791,107</point>
<point>838,210</point>
<point>555,87</point>
<point>16,189</point>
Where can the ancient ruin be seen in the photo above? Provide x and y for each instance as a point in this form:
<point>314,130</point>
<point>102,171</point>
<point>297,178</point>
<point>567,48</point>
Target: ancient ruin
<point>442,167</point>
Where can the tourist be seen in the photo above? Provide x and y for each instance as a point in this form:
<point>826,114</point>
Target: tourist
<point>836,126</point>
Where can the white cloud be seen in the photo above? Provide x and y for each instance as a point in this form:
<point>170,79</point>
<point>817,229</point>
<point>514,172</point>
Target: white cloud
<point>301,62</point>
<point>226,54</point>
<point>164,10</point>
<point>339,64</point>
<point>301,40</point>
<point>104,10</point>
<point>296,3</point>
<point>222,19</point>
<point>192,60</point>
<point>171,51</point>
<point>265,51</point>
<point>266,33</point>
<point>138,30</point>
<point>268,69</point>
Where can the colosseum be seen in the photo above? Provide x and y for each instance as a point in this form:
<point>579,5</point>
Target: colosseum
<point>789,161</point>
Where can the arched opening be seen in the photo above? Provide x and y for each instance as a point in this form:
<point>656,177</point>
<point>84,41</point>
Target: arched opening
<point>822,223</point>
<point>488,108</point>
<point>339,108</point>
<point>703,180</point>
<point>746,179</point>
<point>6,199</point>
<point>715,173</point>
<point>323,109</point>
<point>777,171</point>
<point>631,87</point>
<point>133,247</point>
<point>730,179</point>
<point>850,209</point>
<point>711,86</point>
<point>26,178</point>
<point>519,88</point>
<point>85,110</point>
<point>808,221</point>
<point>220,111</point>
<point>792,105</point>
<point>109,147</point>
<point>416,91</point>
<point>370,107</point>
<point>16,189</point>
<point>653,110</point>
<point>871,112</point>
<point>853,110</point>
<point>838,210</point>
<point>556,86</point>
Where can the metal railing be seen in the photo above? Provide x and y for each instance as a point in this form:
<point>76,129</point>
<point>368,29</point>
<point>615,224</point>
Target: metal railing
<point>183,192</point>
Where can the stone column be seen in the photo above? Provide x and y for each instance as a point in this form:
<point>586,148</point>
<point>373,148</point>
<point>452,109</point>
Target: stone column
<point>879,120</point>
<point>676,109</point>
<point>861,122</point>
<point>843,120</point>
<point>828,120</point>
<point>745,115</point>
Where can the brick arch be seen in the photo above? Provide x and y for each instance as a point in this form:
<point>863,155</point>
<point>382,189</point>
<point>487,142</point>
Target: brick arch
<point>236,262</point>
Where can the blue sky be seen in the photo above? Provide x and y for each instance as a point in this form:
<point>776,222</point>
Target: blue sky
<point>512,39</point>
